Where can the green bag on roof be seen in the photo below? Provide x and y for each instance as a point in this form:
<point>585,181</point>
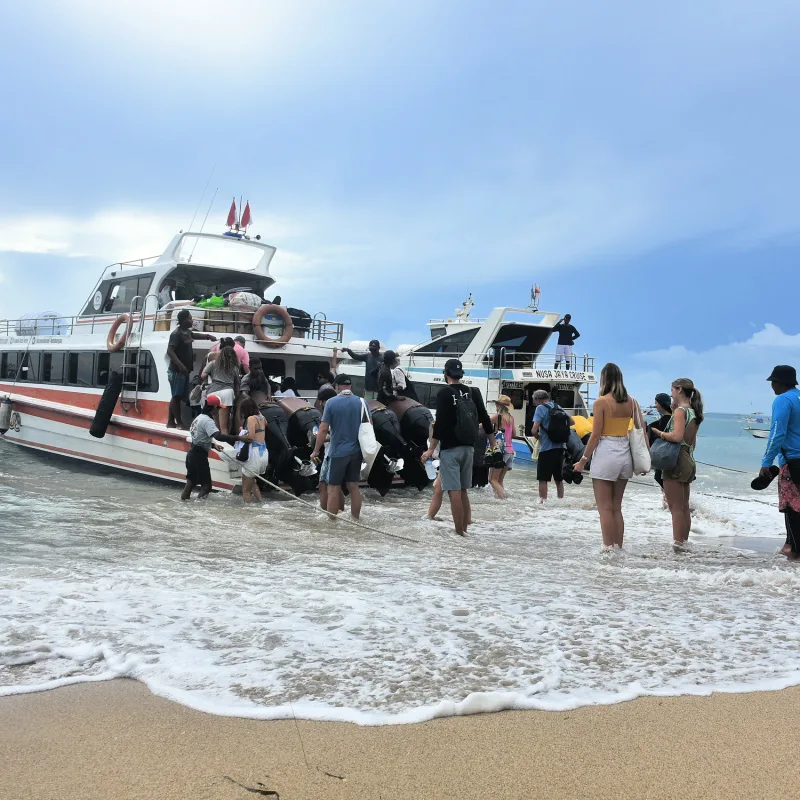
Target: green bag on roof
<point>215,301</point>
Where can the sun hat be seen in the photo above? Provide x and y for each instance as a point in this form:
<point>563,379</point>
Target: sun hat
<point>504,400</point>
<point>784,374</point>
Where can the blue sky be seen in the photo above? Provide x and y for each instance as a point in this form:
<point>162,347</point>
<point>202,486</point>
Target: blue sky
<point>639,163</point>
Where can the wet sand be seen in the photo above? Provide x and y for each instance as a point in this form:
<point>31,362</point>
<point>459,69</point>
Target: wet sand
<point>116,740</point>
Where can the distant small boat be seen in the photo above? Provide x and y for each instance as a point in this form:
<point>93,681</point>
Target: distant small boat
<point>758,433</point>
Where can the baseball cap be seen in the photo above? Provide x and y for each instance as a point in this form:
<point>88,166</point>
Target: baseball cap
<point>343,380</point>
<point>213,400</point>
<point>454,368</point>
<point>374,343</point>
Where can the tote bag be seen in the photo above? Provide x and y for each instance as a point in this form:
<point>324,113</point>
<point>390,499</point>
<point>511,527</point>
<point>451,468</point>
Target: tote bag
<point>664,454</point>
<point>637,440</point>
<point>366,440</point>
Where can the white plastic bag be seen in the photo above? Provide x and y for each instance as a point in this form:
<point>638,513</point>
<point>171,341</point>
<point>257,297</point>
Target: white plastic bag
<point>637,439</point>
<point>366,439</point>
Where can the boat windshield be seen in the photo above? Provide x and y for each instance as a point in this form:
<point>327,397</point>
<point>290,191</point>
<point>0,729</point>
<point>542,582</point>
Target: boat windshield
<point>193,282</point>
<point>219,252</point>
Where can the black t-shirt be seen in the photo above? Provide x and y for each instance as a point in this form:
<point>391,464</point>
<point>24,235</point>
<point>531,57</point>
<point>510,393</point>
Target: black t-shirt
<point>373,367</point>
<point>181,342</point>
<point>444,426</point>
<point>659,424</point>
<point>567,333</point>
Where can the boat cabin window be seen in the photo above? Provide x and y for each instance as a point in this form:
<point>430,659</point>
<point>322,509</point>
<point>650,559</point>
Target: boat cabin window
<point>52,367</point>
<point>106,364</point>
<point>80,369</point>
<point>455,343</point>
<point>516,346</point>
<point>438,332</point>
<point>114,296</point>
<point>29,370</point>
<point>8,365</point>
<point>274,368</point>
<point>305,373</point>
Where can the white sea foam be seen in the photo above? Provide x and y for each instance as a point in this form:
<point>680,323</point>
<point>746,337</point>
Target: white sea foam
<point>279,613</point>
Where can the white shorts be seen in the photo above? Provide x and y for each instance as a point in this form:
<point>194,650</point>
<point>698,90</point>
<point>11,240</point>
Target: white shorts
<point>225,397</point>
<point>563,350</point>
<point>257,463</point>
<point>611,461</point>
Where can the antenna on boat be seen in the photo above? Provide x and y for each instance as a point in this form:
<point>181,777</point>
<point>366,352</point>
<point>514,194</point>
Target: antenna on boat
<point>204,222</point>
<point>205,189</point>
<point>535,292</point>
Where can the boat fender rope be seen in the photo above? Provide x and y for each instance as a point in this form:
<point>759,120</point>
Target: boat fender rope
<point>315,507</point>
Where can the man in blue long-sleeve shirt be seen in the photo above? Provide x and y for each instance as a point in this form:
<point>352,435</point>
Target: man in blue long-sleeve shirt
<point>784,444</point>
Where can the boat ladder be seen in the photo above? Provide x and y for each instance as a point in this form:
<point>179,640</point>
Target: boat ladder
<point>131,353</point>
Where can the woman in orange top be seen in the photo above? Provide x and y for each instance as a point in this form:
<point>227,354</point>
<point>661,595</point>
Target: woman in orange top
<point>610,452</point>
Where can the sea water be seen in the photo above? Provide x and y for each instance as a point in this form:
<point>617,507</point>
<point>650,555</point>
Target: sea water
<point>273,611</point>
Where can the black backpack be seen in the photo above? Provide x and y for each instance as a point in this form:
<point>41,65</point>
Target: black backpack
<point>466,427</point>
<point>557,425</point>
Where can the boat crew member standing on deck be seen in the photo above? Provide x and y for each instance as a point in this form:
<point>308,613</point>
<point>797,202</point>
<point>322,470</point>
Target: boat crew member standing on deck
<point>459,411</point>
<point>374,361</point>
<point>784,444</point>
<point>567,334</point>
<point>181,356</point>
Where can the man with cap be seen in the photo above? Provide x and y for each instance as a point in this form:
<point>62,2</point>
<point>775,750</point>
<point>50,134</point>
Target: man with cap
<point>374,361</point>
<point>202,434</point>
<point>784,444</point>
<point>459,411</point>
<point>342,417</point>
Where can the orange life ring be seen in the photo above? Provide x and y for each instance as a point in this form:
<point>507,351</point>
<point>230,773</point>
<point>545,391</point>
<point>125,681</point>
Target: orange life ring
<point>113,345</point>
<point>288,325</point>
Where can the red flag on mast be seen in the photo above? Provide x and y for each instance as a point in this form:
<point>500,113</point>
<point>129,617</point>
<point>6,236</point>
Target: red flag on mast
<point>232,214</point>
<point>246,219</point>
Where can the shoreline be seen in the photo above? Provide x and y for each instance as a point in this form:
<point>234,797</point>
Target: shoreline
<point>117,740</point>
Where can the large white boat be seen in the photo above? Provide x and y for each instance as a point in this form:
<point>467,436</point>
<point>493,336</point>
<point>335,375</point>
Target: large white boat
<point>501,354</point>
<point>54,370</point>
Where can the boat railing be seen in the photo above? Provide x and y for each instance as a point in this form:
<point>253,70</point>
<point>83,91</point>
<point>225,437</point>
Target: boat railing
<point>212,320</point>
<point>503,358</point>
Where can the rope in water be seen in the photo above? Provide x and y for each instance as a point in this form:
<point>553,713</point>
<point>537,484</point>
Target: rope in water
<point>315,507</point>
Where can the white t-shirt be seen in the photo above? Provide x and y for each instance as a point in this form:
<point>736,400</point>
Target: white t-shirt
<point>202,431</point>
<point>398,378</point>
<point>287,393</point>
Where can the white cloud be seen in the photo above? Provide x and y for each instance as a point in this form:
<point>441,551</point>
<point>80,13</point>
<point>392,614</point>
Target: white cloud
<point>732,377</point>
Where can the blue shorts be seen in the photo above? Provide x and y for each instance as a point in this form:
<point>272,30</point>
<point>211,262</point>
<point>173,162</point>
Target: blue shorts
<point>179,384</point>
<point>345,469</point>
<point>455,468</point>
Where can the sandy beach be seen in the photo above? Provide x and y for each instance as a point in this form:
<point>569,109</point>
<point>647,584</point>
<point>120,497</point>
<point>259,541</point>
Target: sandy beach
<point>117,740</point>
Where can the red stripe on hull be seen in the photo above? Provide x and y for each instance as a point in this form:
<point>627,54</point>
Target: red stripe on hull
<point>151,410</point>
<point>111,462</point>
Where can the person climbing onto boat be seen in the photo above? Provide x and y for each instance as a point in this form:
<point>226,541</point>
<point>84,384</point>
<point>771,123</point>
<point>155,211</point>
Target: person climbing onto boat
<point>181,356</point>
<point>784,444</point>
<point>254,427</point>
<point>202,434</point>
<point>503,424</point>
<point>373,359</point>
<point>687,415</point>
<point>567,334</point>
<point>255,380</point>
<point>224,375</point>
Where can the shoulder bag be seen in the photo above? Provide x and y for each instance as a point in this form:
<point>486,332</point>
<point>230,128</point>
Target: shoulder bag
<point>664,454</point>
<point>366,439</point>
<point>637,440</point>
